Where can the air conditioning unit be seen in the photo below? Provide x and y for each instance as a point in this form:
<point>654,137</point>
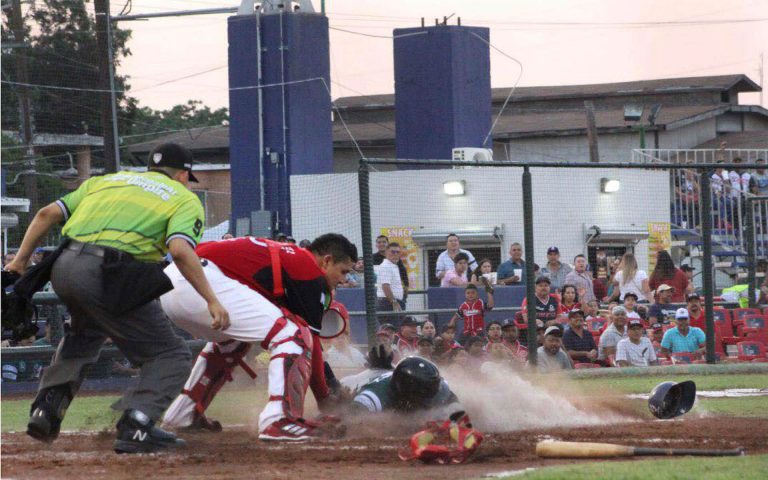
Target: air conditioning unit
<point>470,154</point>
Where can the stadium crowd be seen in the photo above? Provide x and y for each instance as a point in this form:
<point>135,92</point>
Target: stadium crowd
<point>641,322</point>
<point>609,314</point>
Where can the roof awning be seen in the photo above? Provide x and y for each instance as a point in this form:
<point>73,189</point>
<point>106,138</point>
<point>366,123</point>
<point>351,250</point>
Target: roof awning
<point>13,204</point>
<point>8,220</point>
<point>468,235</point>
<point>596,235</point>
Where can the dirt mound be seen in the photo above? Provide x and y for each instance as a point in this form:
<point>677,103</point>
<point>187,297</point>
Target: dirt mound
<point>236,453</point>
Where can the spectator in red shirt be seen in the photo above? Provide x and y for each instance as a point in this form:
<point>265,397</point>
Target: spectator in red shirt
<point>695,312</point>
<point>406,342</point>
<point>547,304</point>
<point>472,311</point>
<point>511,339</point>
<point>494,334</point>
<point>666,273</point>
<point>569,300</point>
<point>448,334</point>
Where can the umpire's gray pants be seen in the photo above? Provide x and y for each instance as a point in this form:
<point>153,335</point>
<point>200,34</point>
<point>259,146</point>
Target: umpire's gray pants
<point>143,335</point>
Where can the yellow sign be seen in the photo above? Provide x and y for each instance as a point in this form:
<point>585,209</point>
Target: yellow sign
<point>410,252</point>
<point>659,238</point>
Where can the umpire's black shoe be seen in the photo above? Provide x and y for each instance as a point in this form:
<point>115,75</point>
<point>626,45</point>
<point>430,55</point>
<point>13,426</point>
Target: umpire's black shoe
<point>137,433</point>
<point>47,412</point>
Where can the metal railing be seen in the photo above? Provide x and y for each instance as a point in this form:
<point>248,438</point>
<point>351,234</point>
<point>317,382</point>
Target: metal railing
<point>729,202</point>
<point>695,156</point>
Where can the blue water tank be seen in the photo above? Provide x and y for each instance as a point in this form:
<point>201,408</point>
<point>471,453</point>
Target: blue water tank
<point>296,108</point>
<point>442,90</point>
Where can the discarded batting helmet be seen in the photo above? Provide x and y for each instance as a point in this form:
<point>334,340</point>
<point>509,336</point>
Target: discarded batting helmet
<point>670,399</point>
<point>415,380</point>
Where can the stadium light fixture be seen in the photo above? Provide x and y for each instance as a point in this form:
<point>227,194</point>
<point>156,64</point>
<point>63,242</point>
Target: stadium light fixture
<point>608,185</point>
<point>454,188</point>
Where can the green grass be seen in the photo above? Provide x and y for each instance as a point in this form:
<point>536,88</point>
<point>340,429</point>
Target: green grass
<point>645,384</point>
<point>242,405</point>
<point>725,468</point>
<point>742,407</point>
<point>233,406</point>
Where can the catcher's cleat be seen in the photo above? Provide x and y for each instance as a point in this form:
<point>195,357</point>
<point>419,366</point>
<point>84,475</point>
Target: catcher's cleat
<point>137,433</point>
<point>201,422</point>
<point>285,430</point>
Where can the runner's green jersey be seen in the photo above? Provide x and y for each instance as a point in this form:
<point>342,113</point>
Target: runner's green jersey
<point>136,212</point>
<point>378,395</point>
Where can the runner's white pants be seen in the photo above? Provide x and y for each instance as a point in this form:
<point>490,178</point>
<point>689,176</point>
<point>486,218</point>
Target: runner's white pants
<point>251,318</point>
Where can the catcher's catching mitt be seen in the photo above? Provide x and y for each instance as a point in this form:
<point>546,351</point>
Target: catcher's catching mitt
<point>450,442</point>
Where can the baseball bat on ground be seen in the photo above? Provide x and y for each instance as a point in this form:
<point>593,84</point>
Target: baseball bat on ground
<point>555,449</point>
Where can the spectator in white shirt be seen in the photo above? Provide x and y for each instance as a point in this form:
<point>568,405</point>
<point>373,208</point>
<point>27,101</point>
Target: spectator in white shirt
<point>629,278</point>
<point>636,350</point>
<point>613,334</point>
<point>445,260</point>
<point>389,286</point>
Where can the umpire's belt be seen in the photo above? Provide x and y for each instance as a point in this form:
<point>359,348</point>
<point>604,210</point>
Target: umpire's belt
<point>108,253</point>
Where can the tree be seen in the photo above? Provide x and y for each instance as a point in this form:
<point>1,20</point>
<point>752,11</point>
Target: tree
<point>149,123</point>
<point>61,51</point>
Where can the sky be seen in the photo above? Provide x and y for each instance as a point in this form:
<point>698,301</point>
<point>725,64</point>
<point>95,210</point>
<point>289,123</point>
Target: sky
<point>176,59</point>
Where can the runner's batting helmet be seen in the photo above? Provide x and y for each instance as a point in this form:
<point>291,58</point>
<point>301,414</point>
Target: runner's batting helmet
<point>415,380</point>
<point>670,399</point>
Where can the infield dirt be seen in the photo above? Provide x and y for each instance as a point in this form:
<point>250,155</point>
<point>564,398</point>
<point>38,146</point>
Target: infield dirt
<point>236,453</point>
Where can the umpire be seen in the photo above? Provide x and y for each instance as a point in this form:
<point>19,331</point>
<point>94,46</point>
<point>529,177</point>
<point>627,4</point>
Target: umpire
<point>117,229</point>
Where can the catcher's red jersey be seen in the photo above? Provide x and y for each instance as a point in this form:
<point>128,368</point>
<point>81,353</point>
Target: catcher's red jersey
<point>249,261</point>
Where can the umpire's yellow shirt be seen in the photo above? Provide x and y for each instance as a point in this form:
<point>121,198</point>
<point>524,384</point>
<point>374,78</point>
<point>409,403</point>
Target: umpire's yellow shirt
<point>136,212</point>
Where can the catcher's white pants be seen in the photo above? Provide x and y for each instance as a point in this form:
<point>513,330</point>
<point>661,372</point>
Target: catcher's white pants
<point>251,317</point>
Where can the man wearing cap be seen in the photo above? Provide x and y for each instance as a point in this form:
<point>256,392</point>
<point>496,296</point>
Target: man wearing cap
<point>118,227</point>
<point>616,331</point>
<point>546,303</point>
<point>635,350</point>
<point>550,357</point>
<point>683,337</point>
<point>555,270</point>
<point>578,343</point>
<point>630,302</point>
<point>663,310</point>
<point>510,337</point>
<point>406,343</point>
<point>695,312</point>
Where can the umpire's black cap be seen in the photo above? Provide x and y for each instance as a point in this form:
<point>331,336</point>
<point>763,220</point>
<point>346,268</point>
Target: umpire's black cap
<point>171,155</point>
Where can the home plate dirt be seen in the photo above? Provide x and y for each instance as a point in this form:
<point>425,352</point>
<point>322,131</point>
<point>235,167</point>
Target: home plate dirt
<point>236,453</point>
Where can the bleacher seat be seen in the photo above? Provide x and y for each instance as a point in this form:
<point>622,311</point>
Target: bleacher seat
<point>597,325</point>
<point>750,350</point>
<point>739,314</point>
<point>754,328</point>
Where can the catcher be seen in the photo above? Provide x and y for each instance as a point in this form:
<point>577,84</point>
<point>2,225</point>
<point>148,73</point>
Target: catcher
<point>277,294</point>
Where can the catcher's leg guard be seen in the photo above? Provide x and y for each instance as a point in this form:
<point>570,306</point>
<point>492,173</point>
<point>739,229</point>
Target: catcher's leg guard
<point>289,372</point>
<point>212,370</point>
